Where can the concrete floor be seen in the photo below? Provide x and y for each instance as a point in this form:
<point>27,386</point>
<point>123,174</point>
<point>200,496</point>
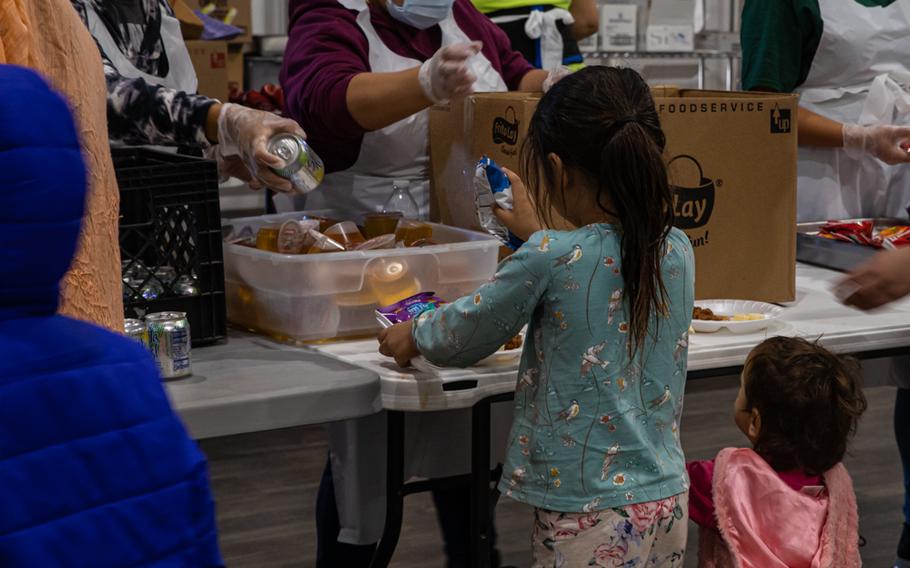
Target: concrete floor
<point>265,486</point>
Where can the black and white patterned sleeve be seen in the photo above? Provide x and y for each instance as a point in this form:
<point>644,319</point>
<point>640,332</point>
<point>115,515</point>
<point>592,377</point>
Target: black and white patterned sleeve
<point>139,112</point>
<point>142,113</point>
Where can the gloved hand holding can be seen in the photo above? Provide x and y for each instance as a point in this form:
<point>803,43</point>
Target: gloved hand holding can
<point>244,133</point>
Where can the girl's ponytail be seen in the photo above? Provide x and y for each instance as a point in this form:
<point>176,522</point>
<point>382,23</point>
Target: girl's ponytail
<point>602,124</point>
<point>633,170</point>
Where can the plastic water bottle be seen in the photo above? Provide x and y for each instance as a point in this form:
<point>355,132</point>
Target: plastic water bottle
<point>402,201</point>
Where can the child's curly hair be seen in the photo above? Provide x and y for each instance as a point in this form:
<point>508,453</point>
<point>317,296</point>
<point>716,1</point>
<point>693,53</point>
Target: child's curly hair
<point>810,401</point>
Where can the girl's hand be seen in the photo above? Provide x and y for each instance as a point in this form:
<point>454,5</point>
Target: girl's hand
<point>398,342</point>
<point>522,219</point>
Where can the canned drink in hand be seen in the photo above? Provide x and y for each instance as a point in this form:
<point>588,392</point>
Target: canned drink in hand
<point>169,341</point>
<point>300,164</point>
<point>135,329</point>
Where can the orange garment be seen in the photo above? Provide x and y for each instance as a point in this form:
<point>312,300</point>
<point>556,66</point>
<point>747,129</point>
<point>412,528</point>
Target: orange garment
<point>49,36</point>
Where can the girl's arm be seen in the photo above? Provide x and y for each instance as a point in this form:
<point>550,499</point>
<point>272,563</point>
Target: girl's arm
<point>464,332</point>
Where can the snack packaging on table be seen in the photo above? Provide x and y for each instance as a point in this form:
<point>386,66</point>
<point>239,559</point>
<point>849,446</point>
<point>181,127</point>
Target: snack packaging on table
<point>492,187</point>
<point>408,309</point>
<point>863,232</point>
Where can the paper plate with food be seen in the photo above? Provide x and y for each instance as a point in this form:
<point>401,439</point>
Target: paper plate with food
<point>736,316</point>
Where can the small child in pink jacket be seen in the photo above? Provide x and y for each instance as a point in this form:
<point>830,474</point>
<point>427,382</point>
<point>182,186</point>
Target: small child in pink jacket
<point>788,502</point>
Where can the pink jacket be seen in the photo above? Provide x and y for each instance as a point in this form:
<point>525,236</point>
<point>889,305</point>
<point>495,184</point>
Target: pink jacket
<point>765,524</point>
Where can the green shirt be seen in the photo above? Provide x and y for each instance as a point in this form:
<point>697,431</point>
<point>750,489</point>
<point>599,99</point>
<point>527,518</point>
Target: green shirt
<point>487,6</point>
<point>779,40</point>
<point>593,427</point>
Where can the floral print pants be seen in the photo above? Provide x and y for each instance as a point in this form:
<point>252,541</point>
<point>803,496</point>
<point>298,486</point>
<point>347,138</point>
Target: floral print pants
<point>651,534</point>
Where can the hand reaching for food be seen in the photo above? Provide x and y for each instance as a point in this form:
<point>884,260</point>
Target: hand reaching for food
<point>522,219</point>
<point>398,342</point>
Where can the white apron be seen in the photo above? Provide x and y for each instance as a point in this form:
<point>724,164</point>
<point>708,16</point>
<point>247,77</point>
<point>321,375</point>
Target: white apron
<point>396,152</point>
<point>181,74</point>
<point>436,444</point>
<point>860,74</point>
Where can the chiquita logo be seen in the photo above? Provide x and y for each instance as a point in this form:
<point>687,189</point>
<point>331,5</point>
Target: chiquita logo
<point>505,129</point>
<point>693,201</point>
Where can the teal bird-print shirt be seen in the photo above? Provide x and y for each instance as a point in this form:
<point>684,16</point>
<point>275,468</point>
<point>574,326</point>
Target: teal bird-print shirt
<point>593,427</point>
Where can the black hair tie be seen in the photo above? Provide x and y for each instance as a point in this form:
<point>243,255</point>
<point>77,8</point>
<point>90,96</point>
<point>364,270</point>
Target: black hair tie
<point>618,125</point>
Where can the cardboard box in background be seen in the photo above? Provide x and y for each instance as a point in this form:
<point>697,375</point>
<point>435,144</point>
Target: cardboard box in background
<point>732,157</point>
<point>235,67</point>
<point>619,27</point>
<point>488,124</point>
<point>219,67</point>
<point>190,24</point>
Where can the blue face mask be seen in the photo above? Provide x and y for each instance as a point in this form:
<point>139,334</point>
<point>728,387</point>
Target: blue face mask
<point>421,14</point>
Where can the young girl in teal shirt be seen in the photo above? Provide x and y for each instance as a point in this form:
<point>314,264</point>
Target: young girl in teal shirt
<point>594,445</point>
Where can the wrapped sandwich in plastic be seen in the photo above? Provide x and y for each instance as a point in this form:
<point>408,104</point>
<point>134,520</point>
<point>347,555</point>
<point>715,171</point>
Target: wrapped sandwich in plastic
<point>492,186</point>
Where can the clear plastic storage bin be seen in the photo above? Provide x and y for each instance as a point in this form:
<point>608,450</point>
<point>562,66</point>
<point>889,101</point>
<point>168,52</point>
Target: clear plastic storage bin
<point>334,296</point>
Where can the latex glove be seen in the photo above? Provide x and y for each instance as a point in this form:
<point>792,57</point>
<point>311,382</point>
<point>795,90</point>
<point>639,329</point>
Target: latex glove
<point>244,133</point>
<point>522,219</point>
<point>398,342</point>
<point>445,75</point>
<point>230,166</point>
<point>886,142</point>
<point>554,76</point>
<point>880,281</point>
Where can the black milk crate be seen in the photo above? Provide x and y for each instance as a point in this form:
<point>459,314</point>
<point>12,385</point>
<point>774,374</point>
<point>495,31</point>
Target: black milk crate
<point>170,239</point>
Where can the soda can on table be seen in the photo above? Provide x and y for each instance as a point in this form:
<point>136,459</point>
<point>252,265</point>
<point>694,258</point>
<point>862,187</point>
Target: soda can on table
<point>300,164</point>
<point>136,329</point>
<point>169,342</point>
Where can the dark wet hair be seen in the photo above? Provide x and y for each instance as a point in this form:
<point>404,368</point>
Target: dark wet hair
<point>810,401</point>
<point>602,124</point>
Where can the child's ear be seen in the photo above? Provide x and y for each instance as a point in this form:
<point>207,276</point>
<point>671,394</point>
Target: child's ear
<point>754,424</point>
<point>558,169</point>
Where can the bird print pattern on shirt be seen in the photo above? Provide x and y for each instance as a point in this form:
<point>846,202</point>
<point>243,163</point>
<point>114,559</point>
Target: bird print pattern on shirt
<point>604,420</point>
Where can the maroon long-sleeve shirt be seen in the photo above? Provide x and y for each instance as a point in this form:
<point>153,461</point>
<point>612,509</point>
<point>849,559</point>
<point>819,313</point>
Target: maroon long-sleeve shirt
<point>326,48</point>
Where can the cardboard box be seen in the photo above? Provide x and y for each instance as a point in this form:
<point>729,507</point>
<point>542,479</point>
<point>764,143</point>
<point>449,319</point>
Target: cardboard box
<point>619,27</point>
<point>219,67</point>
<point>190,24</point>
<point>491,124</point>
<point>732,158</point>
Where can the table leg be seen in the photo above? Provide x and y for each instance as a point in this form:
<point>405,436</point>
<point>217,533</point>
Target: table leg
<point>394,507</point>
<point>480,485</point>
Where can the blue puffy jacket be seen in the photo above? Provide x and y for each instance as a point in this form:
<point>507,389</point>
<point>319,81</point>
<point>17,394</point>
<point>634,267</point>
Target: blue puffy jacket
<point>95,468</point>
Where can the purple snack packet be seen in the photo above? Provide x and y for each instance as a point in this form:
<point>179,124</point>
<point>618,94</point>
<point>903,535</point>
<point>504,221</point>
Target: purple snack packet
<point>408,309</point>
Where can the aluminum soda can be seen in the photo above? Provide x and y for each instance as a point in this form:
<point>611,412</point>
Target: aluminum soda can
<point>300,164</point>
<point>135,329</point>
<point>169,342</point>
